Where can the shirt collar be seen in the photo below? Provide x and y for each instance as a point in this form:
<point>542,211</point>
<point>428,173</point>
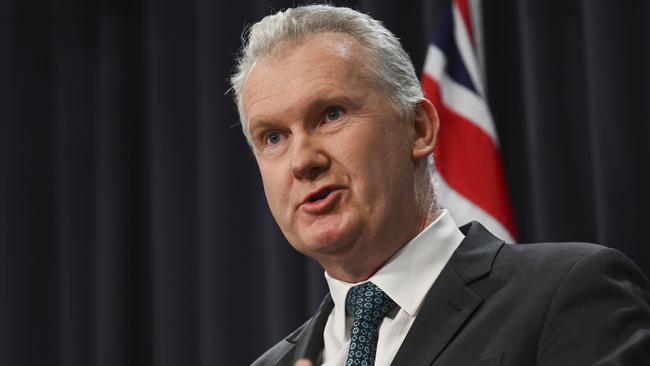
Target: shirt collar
<point>408,275</point>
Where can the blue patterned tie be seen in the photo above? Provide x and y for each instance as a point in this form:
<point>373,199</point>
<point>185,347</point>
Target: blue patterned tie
<point>368,305</point>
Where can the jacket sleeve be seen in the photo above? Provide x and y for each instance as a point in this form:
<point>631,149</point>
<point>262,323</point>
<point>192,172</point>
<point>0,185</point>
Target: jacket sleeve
<point>599,315</point>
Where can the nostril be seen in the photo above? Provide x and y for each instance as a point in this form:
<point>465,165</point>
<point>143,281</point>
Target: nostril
<point>314,171</point>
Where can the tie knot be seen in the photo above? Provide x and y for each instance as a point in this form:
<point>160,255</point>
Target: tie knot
<point>368,302</point>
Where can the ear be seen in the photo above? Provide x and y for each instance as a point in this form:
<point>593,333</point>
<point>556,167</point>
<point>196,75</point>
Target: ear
<point>425,125</point>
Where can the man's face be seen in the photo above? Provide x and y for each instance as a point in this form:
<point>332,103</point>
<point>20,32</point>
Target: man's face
<point>334,155</point>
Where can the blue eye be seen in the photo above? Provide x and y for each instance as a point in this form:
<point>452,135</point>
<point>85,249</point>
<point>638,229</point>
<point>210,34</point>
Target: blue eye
<point>273,138</point>
<point>333,114</point>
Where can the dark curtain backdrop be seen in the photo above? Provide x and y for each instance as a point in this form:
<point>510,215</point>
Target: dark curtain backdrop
<point>133,227</point>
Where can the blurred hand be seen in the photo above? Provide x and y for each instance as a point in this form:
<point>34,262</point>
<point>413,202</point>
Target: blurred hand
<point>303,362</point>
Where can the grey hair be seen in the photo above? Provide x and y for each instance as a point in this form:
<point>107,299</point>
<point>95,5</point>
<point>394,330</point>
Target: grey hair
<point>391,68</point>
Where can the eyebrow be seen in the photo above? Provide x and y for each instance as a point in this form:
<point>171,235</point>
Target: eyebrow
<point>263,124</point>
<point>343,100</point>
<point>318,104</point>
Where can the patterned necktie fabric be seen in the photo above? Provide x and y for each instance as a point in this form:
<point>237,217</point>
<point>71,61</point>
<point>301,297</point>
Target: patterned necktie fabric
<point>368,305</point>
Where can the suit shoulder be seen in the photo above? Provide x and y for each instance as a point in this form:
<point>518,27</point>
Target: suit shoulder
<point>553,262</point>
<point>557,262</point>
<point>553,254</point>
<point>584,322</point>
<point>562,248</point>
<point>580,304</point>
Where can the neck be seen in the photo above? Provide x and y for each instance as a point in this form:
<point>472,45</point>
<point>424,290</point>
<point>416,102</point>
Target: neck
<point>362,267</point>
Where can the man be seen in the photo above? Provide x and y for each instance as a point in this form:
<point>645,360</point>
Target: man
<point>343,137</point>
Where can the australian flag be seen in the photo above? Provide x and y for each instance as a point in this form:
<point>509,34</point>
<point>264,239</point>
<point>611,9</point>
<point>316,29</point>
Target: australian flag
<point>471,183</point>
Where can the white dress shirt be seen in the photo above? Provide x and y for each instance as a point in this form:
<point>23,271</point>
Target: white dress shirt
<point>405,278</point>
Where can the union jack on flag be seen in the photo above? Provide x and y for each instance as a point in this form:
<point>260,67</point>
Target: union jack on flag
<point>471,184</point>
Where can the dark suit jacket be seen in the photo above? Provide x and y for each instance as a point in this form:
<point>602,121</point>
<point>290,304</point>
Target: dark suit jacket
<point>500,304</point>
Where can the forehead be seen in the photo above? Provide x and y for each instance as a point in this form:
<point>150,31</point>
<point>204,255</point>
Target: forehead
<point>321,65</point>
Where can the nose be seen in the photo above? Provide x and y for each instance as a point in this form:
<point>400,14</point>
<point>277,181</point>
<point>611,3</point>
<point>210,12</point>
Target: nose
<point>308,159</point>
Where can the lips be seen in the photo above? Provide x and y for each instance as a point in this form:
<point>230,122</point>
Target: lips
<point>321,200</point>
<point>318,195</point>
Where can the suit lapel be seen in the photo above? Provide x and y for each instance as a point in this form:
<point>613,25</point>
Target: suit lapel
<point>444,310</point>
<point>449,302</point>
<point>309,339</point>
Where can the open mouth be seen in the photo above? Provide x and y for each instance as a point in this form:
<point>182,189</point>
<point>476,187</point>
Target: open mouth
<point>319,195</point>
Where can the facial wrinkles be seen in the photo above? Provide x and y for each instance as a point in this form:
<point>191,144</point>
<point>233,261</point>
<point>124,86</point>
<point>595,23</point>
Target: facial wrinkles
<point>318,88</point>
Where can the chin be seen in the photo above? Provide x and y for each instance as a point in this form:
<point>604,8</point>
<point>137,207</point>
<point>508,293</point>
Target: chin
<point>327,238</point>
<point>326,242</point>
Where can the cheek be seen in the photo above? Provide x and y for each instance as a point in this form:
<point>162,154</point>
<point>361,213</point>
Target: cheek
<point>383,165</point>
<point>278,185</point>
<point>273,186</point>
<point>366,164</point>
